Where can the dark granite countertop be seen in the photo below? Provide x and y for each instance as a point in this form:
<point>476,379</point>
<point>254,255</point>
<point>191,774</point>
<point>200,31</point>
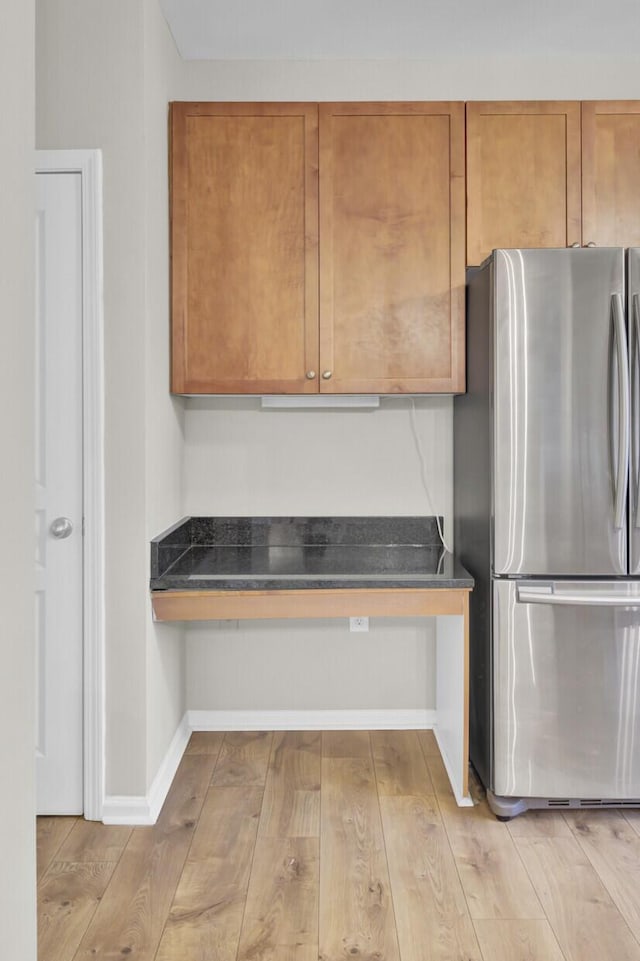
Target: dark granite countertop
<point>304,553</point>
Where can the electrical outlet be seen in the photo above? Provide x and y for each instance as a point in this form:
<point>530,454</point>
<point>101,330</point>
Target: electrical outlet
<point>358,624</point>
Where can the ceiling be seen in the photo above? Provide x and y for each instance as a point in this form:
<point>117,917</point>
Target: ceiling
<point>400,29</point>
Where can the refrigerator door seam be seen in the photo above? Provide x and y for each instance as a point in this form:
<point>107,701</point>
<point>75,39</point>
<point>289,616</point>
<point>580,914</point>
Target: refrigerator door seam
<point>622,463</point>
<point>634,380</point>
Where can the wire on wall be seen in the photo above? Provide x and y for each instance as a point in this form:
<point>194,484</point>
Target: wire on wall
<point>423,470</point>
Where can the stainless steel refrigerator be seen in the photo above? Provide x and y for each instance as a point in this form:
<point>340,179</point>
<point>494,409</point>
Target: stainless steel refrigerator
<point>547,508</point>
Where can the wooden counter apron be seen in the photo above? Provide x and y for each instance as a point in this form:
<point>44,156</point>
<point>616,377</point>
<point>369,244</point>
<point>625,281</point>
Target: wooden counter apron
<point>450,607</point>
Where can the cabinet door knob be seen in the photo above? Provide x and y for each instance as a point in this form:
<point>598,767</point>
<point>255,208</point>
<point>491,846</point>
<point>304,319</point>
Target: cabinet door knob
<point>590,244</point>
<point>326,374</point>
<point>310,375</point>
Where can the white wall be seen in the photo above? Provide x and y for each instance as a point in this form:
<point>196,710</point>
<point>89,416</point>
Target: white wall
<point>311,666</point>
<point>164,414</point>
<point>103,76</point>
<point>17,712</point>
<point>401,30</point>
<point>470,75</point>
<point>89,94</point>
<point>242,460</point>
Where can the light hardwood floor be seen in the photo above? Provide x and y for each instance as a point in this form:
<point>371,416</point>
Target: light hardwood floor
<point>340,846</point>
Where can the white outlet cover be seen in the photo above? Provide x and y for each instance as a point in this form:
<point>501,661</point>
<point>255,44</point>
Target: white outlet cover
<point>358,624</point>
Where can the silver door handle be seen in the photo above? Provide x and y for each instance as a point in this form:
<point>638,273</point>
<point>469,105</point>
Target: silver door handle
<point>544,595</point>
<point>635,379</point>
<point>624,413</point>
<point>61,527</point>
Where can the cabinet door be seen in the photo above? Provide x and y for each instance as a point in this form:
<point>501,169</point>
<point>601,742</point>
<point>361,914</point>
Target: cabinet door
<point>523,176</point>
<point>391,247</point>
<point>611,173</point>
<point>244,248</point>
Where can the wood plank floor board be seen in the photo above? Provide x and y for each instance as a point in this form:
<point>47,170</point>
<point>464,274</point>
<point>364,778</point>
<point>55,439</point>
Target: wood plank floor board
<point>281,913</point>
<point>94,841</point>
<point>586,922</point>
<point>228,822</point>
<point>438,775</point>
<point>291,806</point>
<point>206,915</point>
<point>370,873</point>
<point>67,901</point>
<point>539,824</point>
<point>494,879</point>
<point>346,744</point>
<point>243,759</point>
<point>356,910</point>
<point>430,908</point>
<point>599,825</point>
<point>613,848</point>
<point>205,742</point>
<point>428,743</point>
<point>205,918</point>
<point>50,834</point>
<point>399,764</point>
<point>518,941</point>
<point>632,816</point>
<point>131,916</point>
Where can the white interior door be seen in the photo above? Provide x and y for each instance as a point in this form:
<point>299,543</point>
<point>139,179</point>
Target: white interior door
<point>59,509</point>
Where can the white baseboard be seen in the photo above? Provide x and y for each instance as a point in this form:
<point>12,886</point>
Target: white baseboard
<point>144,809</point>
<point>418,719</point>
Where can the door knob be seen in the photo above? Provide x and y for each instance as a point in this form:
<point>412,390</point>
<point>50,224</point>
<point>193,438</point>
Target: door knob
<point>61,527</point>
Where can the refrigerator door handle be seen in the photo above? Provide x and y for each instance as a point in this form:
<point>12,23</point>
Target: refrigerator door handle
<point>624,412</point>
<point>635,378</point>
<point>548,594</point>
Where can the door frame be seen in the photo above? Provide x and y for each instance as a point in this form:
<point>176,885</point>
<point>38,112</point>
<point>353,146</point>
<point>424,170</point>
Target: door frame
<point>88,163</point>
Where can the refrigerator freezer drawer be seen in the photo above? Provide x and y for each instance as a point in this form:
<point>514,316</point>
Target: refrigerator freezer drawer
<point>566,689</point>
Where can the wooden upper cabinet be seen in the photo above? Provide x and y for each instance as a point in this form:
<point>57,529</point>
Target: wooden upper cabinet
<point>611,173</point>
<point>281,285</point>
<point>244,202</point>
<point>523,176</point>
<point>391,247</point>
